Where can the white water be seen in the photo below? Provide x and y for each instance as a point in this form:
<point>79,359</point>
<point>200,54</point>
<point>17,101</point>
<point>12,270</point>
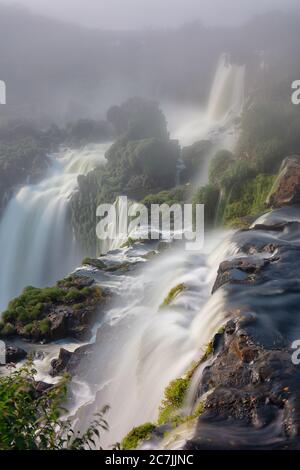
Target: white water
<point>141,347</point>
<point>37,246</point>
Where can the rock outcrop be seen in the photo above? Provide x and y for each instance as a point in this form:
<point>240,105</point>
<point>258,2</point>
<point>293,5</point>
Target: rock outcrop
<point>286,189</point>
<point>250,383</point>
<point>65,310</point>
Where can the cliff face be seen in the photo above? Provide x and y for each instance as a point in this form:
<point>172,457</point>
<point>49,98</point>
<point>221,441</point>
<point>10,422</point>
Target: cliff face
<point>250,381</point>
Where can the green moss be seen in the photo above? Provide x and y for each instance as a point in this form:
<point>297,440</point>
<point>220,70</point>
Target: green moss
<point>174,292</point>
<point>137,435</point>
<point>173,400</point>
<point>208,351</point>
<point>94,262</point>
<point>251,202</point>
<point>129,242</point>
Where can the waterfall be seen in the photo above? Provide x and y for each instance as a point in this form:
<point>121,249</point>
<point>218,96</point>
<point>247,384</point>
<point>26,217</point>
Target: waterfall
<point>225,103</point>
<point>140,347</point>
<point>37,246</point>
<point>227,92</point>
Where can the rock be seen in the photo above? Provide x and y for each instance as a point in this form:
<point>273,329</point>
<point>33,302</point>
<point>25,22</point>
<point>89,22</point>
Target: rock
<point>60,364</point>
<point>14,354</point>
<point>286,189</point>
<point>41,387</point>
<point>250,385</point>
<point>239,271</point>
<point>65,310</point>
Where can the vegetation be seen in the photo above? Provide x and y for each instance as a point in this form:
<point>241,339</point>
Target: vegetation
<point>174,292</point>
<point>141,161</point>
<point>96,263</point>
<point>173,400</point>
<point>172,196</point>
<point>252,200</point>
<point>137,435</point>
<point>33,313</point>
<point>32,420</point>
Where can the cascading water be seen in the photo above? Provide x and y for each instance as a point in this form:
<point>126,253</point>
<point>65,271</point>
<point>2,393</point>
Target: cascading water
<point>140,348</point>
<point>37,246</point>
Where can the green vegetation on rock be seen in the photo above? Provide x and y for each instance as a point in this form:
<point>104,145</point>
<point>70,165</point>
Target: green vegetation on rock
<point>140,162</point>
<point>173,400</point>
<point>137,435</point>
<point>174,292</point>
<point>52,312</point>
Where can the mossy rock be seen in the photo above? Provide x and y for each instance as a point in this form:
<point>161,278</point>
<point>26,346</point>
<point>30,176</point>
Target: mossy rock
<point>174,292</point>
<point>137,435</point>
<point>51,313</point>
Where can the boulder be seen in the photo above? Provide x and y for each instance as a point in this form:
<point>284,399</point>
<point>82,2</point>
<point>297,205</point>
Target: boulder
<point>286,189</point>
<point>60,364</point>
<point>14,354</point>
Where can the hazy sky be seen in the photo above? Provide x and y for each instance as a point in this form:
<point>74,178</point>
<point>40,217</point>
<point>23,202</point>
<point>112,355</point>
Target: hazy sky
<point>133,14</point>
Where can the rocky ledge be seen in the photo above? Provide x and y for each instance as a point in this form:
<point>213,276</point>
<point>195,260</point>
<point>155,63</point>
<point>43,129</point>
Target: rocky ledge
<point>65,310</point>
<point>250,384</point>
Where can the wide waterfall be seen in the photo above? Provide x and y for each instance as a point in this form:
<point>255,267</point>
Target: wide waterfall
<point>37,246</point>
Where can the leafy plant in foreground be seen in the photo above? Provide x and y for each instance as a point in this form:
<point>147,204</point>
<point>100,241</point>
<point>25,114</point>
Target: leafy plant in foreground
<point>31,419</point>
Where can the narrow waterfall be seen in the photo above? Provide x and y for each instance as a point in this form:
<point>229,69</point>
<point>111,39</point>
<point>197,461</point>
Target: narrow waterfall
<point>37,246</point>
<point>227,92</point>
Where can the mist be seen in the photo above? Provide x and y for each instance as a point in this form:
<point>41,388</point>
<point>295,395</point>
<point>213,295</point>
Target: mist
<point>67,60</point>
<point>141,14</point>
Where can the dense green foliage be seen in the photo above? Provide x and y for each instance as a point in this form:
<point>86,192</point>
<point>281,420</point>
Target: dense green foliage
<point>141,161</point>
<point>31,314</point>
<point>138,118</point>
<point>172,196</point>
<point>31,420</point>
<point>239,183</point>
<point>136,436</point>
<point>252,200</point>
<point>173,400</point>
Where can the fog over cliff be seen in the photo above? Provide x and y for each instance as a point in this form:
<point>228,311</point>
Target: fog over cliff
<point>56,70</point>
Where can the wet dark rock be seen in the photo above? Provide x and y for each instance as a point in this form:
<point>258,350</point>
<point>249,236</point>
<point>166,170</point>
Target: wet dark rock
<point>42,387</point>
<point>239,271</point>
<point>14,354</point>
<point>60,364</point>
<point>250,384</point>
<point>251,387</point>
<point>286,189</point>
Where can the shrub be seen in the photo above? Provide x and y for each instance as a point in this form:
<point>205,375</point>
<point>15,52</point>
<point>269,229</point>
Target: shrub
<point>30,420</point>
